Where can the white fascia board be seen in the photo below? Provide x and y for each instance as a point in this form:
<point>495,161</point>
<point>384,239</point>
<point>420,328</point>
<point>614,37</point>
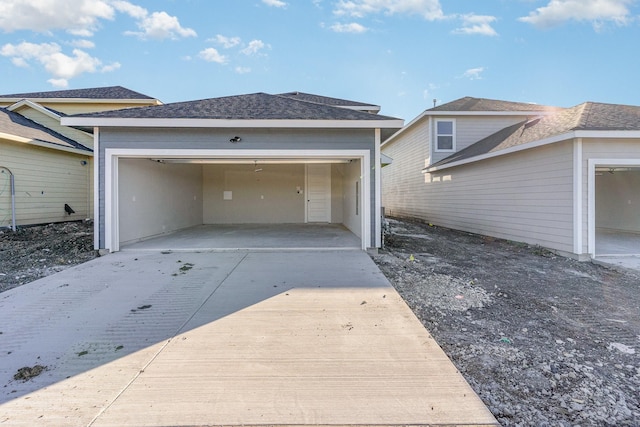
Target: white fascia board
<point>44,144</point>
<point>35,106</point>
<point>609,134</point>
<point>539,143</point>
<point>144,101</point>
<point>217,123</point>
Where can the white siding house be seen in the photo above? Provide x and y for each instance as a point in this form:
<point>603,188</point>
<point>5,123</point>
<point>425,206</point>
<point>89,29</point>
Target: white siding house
<point>564,179</point>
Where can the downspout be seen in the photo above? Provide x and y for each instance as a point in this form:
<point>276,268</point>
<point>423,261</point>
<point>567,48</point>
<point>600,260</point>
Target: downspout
<point>12,185</point>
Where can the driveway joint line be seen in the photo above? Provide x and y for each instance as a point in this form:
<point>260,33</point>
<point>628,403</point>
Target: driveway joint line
<point>166,343</point>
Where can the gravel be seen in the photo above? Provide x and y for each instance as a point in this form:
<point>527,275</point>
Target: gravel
<point>543,340</point>
<point>34,252</point>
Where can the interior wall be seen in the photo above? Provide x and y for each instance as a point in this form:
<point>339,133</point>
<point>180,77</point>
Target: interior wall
<point>156,198</point>
<point>618,201</point>
<point>352,198</point>
<point>337,193</point>
<point>268,196</point>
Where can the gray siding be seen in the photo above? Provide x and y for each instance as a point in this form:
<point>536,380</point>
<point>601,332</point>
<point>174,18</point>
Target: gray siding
<point>525,196</point>
<point>252,139</point>
<point>471,129</point>
<point>403,180</point>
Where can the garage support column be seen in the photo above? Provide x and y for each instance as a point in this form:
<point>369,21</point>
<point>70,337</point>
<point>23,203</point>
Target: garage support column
<point>96,188</point>
<point>578,199</point>
<point>378,191</point>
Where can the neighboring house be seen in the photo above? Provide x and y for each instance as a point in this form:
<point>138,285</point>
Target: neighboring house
<point>51,164</point>
<point>248,159</point>
<point>565,179</point>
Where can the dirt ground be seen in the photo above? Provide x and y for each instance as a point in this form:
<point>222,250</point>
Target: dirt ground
<point>544,340</point>
<point>34,252</point>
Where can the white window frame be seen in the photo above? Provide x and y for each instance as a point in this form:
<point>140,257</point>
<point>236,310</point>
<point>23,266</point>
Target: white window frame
<point>436,134</point>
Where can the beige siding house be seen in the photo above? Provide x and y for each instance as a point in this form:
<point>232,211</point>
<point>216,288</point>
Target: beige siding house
<point>564,179</point>
<point>44,165</point>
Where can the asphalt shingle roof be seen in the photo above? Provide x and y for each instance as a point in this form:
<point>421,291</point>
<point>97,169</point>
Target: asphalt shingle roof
<point>318,99</point>
<point>257,106</point>
<point>482,104</point>
<point>112,92</point>
<point>16,124</point>
<point>589,116</point>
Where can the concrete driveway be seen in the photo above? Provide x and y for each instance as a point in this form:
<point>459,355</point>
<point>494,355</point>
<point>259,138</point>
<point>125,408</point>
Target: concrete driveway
<point>242,338</point>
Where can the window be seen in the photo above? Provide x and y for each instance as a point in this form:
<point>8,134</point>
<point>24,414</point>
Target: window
<point>445,135</point>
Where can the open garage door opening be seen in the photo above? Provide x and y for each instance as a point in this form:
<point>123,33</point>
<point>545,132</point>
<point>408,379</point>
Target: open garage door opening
<point>617,204</point>
<point>167,203</point>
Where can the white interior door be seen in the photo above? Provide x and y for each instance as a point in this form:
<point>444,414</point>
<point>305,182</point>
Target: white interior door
<point>318,193</point>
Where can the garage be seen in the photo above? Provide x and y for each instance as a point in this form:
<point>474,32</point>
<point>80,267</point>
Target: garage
<point>617,218</point>
<point>254,163</point>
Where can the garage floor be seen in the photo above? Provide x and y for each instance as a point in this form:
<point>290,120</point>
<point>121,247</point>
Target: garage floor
<point>610,242</point>
<point>617,249</point>
<point>253,236</point>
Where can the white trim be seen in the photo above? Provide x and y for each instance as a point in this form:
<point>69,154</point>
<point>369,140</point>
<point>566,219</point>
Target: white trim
<point>35,106</point>
<point>436,134</point>
<point>577,196</point>
<point>44,144</point>
<point>378,190</point>
<point>96,188</point>
<point>224,123</point>
<point>591,177</point>
<point>112,155</point>
<point>144,101</point>
<point>509,150</point>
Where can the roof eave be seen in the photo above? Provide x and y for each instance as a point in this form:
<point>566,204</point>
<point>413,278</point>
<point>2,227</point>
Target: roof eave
<point>433,113</point>
<point>45,144</point>
<point>28,103</point>
<point>147,101</point>
<point>228,123</point>
<point>515,149</point>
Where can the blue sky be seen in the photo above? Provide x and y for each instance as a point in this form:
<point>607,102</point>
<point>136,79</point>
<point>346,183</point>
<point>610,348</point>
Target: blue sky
<point>400,54</point>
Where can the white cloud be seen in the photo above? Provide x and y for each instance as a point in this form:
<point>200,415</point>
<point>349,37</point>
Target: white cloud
<point>110,67</point>
<point>253,47</point>
<point>243,70</point>
<point>226,42</point>
<point>82,17</point>
<point>429,9</point>
<point>274,3</point>
<point>473,73</point>
<point>160,25</point>
<point>61,83</point>
<point>477,24</point>
<point>130,9</point>
<point>595,11</point>
<point>353,27</point>
<point>212,55</point>
<point>60,65</point>
<point>83,44</point>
